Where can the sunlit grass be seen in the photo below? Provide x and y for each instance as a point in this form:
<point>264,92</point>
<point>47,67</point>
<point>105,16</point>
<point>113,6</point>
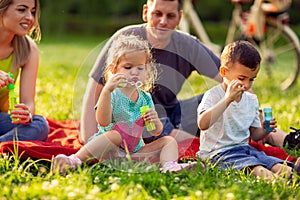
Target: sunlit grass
<point>64,66</point>
<point>28,180</point>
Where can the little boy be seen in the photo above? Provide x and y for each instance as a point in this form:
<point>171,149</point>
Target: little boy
<point>228,115</point>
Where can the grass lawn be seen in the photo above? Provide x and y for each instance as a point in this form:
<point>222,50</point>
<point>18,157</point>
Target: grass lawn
<point>64,65</point>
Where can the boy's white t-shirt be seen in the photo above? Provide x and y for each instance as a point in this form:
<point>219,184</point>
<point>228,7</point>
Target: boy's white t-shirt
<point>232,127</point>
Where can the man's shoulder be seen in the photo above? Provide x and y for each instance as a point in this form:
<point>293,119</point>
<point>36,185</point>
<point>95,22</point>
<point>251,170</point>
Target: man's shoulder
<point>185,42</point>
<point>184,36</point>
<point>131,29</point>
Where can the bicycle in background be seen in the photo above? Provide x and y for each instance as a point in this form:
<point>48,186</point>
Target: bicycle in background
<point>265,25</point>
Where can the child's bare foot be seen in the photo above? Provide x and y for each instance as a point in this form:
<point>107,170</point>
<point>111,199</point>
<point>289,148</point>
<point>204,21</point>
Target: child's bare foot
<point>61,163</point>
<point>178,167</point>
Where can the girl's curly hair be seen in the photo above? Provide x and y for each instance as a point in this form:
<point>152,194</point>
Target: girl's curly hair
<point>125,44</point>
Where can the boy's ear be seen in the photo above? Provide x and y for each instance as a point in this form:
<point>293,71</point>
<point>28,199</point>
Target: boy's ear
<point>222,71</point>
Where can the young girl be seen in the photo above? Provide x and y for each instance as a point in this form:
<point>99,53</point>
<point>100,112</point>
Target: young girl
<point>130,72</point>
<point>19,54</point>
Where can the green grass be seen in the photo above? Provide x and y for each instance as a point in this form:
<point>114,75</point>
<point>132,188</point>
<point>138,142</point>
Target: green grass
<point>32,180</point>
<point>64,65</point>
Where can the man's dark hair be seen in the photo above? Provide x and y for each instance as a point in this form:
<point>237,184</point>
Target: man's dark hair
<point>180,3</point>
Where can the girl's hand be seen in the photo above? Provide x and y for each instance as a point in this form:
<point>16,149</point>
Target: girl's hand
<point>234,90</point>
<point>151,116</point>
<point>5,79</point>
<point>114,81</point>
<point>22,114</point>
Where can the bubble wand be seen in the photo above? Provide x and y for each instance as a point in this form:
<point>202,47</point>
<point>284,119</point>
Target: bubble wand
<point>124,82</point>
<point>12,98</point>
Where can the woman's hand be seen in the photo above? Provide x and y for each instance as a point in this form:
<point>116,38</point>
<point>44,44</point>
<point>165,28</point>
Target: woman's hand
<point>5,79</point>
<point>22,114</point>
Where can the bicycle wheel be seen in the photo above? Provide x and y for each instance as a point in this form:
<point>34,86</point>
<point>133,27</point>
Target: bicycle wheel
<point>280,53</point>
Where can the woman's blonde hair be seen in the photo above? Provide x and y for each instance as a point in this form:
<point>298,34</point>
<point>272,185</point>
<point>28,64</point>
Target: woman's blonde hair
<point>21,44</point>
<point>129,43</point>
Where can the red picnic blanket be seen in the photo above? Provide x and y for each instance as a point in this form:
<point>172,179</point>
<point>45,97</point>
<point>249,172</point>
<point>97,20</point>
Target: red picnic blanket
<point>63,139</point>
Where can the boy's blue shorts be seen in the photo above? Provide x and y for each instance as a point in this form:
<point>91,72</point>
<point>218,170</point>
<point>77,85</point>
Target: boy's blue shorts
<point>240,157</point>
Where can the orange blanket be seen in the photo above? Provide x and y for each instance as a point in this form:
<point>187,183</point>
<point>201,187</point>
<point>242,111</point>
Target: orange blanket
<point>63,139</point>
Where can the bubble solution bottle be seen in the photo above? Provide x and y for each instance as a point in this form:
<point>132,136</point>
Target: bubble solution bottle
<point>149,126</point>
<point>268,117</point>
<point>12,98</point>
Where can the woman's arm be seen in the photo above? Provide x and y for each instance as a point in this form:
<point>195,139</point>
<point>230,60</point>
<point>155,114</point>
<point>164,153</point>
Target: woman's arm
<point>28,78</point>
<point>26,108</point>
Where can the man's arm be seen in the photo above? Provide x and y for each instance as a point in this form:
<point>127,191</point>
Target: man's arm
<point>88,124</point>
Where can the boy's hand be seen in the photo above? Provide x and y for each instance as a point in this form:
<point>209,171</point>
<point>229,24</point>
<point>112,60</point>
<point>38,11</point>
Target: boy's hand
<point>273,125</point>
<point>234,90</point>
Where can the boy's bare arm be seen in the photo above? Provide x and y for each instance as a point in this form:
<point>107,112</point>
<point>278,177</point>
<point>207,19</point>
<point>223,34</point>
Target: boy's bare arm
<point>211,115</point>
<point>258,133</point>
